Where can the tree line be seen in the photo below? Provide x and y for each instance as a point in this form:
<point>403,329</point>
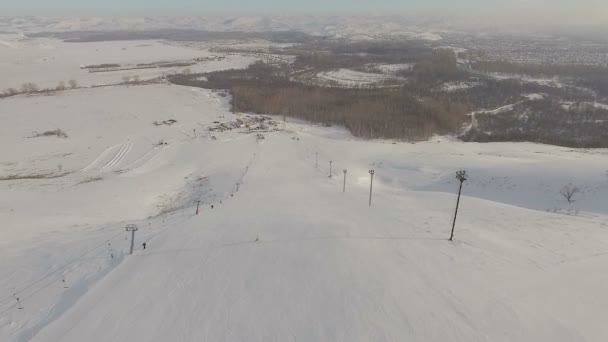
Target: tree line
<point>369,113</point>
<point>580,125</point>
<point>591,76</point>
<point>416,109</point>
<point>32,88</point>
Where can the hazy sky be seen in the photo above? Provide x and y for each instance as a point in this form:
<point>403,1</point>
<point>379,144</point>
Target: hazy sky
<point>203,6</point>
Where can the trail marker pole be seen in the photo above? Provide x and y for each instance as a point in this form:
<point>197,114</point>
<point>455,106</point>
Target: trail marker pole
<point>132,228</point>
<point>330,168</point>
<point>197,205</point>
<point>371,185</point>
<point>462,177</point>
<point>237,187</point>
<point>344,186</point>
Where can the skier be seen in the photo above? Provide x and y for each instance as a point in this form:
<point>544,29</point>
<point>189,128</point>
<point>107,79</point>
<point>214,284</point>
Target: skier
<point>144,245</point>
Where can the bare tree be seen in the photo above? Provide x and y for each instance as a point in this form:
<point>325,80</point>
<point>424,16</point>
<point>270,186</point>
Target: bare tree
<point>29,87</point>
<point>568,191</point>
<point>60,86</point>
<point>73,84</point>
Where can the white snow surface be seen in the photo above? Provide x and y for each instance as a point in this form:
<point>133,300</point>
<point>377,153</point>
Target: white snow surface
<point>600,105</point>
<point>352,79</point>
<point>391,69</point>
<point>46,62</point>
<point>349,77</point>
<point>456,86</point>
<point>568,105</point>
<point>535,97</point>
<point>289,256</point>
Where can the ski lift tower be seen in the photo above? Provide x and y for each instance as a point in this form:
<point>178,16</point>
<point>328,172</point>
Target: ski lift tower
<point>132,228</point>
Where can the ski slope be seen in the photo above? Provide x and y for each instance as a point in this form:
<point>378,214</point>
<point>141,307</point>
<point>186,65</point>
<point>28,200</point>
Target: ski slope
<point>287,257</point>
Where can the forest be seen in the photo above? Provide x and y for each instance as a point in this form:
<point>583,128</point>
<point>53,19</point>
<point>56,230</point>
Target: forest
<point>419,108</point>
<point>369,113</point>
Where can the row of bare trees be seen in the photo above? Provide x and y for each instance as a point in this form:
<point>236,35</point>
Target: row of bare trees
<point>32,88</point>
<point>368,113</point>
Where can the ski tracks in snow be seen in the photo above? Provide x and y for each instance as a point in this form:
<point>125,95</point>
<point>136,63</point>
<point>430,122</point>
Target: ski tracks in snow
<point>118,157</point>
<point>110,158</point>
<point>97,160</point>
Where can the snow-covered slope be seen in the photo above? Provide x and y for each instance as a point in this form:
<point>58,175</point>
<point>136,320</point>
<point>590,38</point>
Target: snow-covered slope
<point>288,256</point>
<point>328,268</point>
<point>325,266</point>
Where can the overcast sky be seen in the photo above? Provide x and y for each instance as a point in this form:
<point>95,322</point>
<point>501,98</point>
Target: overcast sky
<point>296,5</point>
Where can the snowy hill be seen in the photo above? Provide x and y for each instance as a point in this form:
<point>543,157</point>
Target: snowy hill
<point>284,254</point>
<point>354,27</point>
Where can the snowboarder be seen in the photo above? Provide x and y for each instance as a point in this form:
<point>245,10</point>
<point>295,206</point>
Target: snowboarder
<point>144,245</point>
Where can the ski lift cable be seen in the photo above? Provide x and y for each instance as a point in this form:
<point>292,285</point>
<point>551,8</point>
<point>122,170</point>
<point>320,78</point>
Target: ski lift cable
<point>46,285</point>
<point>32,284</point>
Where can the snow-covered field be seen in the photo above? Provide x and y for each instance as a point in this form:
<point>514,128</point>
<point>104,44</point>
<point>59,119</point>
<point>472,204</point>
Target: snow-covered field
<point>46,62</point>
<point>391,69</point>
<point>289,256</point>
<point>352,78</point>
<point>456,86</point>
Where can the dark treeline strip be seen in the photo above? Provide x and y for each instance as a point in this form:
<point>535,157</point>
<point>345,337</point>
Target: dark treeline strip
<point>368,113</point>
<point>592,76</point>
<point>544,121</point>
<point>417,109</point>
<point>440,66</point>
<point>542,70</point>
